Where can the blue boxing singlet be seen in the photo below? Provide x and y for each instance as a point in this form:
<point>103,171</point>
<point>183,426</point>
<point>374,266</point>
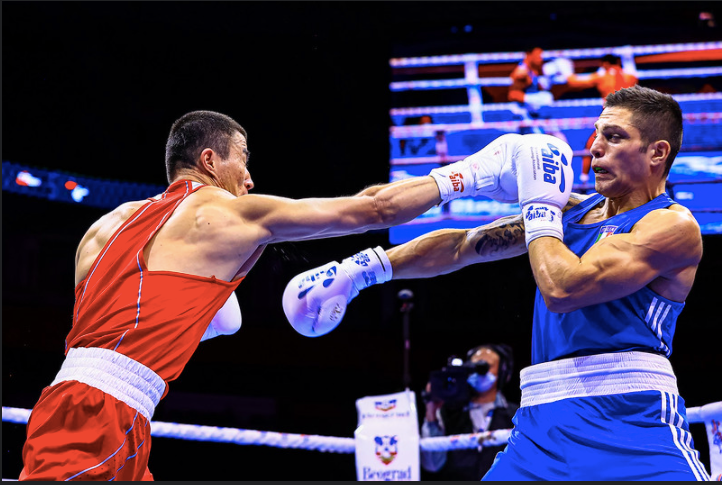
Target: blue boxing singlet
<point>601,401</point>
<point>642,321</point>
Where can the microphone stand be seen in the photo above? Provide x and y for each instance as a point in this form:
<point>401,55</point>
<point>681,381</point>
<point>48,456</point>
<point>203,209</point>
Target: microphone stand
<point>406,296</point>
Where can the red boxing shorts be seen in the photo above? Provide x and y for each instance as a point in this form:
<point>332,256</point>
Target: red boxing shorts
<point>77,432</point>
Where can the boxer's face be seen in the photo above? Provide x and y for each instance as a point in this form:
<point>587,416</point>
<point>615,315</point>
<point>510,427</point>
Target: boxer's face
<point>620,165</point>
<point>233,172</point>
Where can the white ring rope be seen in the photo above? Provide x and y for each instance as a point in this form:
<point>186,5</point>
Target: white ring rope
<point>331,444</point>
<point>564,103</point>
<point>429,130</point>
<point>160,429</point>
<point>496,57</point>
<point>506,81</point>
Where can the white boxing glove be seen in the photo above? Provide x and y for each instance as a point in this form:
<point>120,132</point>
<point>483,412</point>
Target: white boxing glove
<point>226,321</point>
<point>315,301</point>
<point>544,173</point>
<point>487,172</point>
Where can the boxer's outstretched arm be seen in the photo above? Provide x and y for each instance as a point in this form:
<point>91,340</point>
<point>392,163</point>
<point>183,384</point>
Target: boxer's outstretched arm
<point>278,219</point>
<point>447,250</point>
<point>591,81</point>
<point>315,301</point>
<point>488,172</point>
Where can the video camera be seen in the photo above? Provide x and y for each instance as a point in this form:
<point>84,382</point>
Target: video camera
<point>449,384</point>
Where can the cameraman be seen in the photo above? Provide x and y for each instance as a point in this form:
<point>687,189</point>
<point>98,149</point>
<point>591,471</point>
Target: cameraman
<point>483,409</point>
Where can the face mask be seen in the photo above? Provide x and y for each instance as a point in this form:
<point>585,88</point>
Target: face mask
<point>481,383</point>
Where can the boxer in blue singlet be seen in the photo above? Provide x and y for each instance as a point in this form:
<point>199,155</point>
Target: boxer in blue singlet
<point>613,270</point>
<point>601,401</point>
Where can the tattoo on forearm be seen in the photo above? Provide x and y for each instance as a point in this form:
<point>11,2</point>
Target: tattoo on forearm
<point>500,236</point>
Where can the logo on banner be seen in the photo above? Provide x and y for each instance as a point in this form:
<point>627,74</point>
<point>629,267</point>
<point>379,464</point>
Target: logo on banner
<point>605,231</point>
<point>386,405</point>
<point>717,440</point>
<point>387,425</point>
<point>386,448</point>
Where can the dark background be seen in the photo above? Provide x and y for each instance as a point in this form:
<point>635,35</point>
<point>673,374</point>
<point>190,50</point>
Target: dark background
<point>93,88</point>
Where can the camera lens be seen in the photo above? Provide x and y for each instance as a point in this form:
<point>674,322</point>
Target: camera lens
<point>481,367</point>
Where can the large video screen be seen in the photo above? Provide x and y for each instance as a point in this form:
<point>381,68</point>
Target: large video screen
<point>447,107</point>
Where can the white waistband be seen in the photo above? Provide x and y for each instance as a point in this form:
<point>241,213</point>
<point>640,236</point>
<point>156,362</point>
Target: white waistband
<point>113,373</point>
<point>596,375</point>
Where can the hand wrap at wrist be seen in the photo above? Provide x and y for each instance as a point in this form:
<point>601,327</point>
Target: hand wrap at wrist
<point>368,267</point>
<point>542,220</point>
<point>454,181</point>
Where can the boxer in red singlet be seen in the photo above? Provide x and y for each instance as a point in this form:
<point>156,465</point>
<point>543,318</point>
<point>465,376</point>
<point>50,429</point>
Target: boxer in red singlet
<point>156,277</point>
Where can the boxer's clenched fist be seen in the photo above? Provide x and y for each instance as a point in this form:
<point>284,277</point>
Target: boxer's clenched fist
<point>487,172</point>
<point>315,301</point>
<point>543,166</point>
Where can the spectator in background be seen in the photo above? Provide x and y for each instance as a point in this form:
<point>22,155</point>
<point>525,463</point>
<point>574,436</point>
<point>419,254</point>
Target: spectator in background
<point>486,409</point>
<point>609,78</point>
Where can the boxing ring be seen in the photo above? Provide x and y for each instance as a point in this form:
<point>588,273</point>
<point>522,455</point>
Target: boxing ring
<point>709,414</point>
<point>77,189</point>
<point>326,444</point>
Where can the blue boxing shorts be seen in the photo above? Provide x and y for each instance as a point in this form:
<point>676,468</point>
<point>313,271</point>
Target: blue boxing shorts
<point>602,417</point>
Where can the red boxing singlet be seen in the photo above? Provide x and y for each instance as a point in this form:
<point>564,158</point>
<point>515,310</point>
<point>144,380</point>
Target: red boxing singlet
<point>156,318</point>
<point>133,331</point>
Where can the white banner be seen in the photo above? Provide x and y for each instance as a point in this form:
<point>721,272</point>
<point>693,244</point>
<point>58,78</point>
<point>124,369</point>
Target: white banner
<point>387,438</point>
